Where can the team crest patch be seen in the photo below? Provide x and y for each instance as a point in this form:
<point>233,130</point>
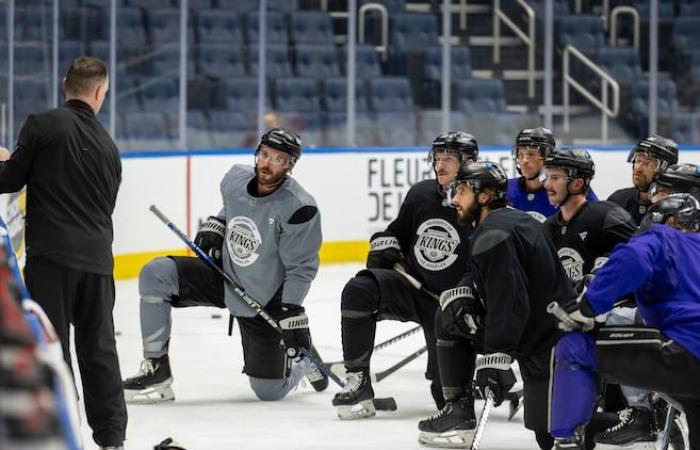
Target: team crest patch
<point>537,215</point>
<point>436,244</point>
<point>242,240</point>
<point>572,262</point>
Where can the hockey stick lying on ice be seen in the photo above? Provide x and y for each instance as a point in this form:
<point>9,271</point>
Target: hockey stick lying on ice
<point>483,418</point>
<point>339,366</point>
<point>379,376</point>
<point>382,404</point>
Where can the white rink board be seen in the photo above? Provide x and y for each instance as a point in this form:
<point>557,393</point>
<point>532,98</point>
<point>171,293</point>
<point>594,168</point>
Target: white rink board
<point>358,192</point>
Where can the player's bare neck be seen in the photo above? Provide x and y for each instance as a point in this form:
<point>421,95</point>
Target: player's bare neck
<point>533,185</point>
<point>572,206</point>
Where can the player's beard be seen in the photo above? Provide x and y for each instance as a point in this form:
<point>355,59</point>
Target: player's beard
<point>470,215</point>
<point>268,178</point>
<point>642,183</point>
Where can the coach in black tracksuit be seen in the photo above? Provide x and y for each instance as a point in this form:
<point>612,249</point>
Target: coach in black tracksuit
<point>72,171</point>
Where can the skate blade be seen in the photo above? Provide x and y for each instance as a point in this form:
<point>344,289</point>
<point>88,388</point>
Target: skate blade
<point>153,394</point>
<point>644,445</point>
<point>447,439</point>
<point>363,410</point>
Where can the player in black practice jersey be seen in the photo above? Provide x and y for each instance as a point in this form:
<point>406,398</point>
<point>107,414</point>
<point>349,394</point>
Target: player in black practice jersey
<point>581,231</point>
<point>650,157</point>
<point>498,309</point>
<point>678,178</point>
<point>426,240</point>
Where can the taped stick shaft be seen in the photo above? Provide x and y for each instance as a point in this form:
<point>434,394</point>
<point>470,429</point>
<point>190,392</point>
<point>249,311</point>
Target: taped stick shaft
<point>557,311</point>
<point>481,426</point>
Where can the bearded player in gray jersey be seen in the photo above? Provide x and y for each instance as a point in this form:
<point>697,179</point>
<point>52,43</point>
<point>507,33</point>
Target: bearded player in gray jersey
<point>267,238</point>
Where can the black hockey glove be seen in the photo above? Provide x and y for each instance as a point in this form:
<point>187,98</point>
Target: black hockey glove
<point>461,313</point>
<point>295,328</point>
<point>384,251</point>
<point>493,372</point>
<point>582,314</point>
<point>210,237</point>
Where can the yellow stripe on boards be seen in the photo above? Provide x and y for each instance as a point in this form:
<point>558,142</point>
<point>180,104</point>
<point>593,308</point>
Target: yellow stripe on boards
<point>129,265</point>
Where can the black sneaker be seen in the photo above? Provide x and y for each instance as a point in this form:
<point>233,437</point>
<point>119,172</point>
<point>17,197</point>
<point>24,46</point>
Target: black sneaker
<point>152,383</point>
<point>318,379</point>
<point>355,400</point>
<point>635,428</point>
<point>454,426</point>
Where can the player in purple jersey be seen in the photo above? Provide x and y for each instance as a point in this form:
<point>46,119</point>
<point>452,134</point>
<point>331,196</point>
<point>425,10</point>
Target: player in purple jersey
<point>660,266</point>
<point>527,192</point>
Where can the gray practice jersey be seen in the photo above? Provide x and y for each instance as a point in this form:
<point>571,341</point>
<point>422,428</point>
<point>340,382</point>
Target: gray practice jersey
<point>270,241</point>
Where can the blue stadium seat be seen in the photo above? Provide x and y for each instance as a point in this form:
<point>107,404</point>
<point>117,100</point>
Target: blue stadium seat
<point>31,95</point>
<point>689,8</point>
<point>316,61</point>
<point>585,32</point>
<point>366,62</point>
<point>241,6</point>
<point>67,52</point>
<point>307,124</point>
<point>666,8</point>
<point>276,28</point>
<point>686,33</point>
<point>390,94</point>
<point>164,26</point>
<point>160,94</point>
<point>412,30</point>
<point>430,124</point>
<point>166,60</point>
<point>221,61</point>
<point>479,96</point>
<point>31,59</point>
<point>201,5</point>
<point>148,130</point>
<point>283,6</point>
<point>335,95</point>
<point>199,94</point>
<point>198,135</point>
<point>278,64</point>
<point>132,32</point>
<point>231,129</point>
<point>221,27</point>
<point>335,125</point>
<point>393,6</point>
<point>622,63</point>
<point>667,104</point>
<point>460,63</point>
<point>311,27</point>
<point>32,24</point>
<point>685,127</point>
<point>296,95</point>
<point>242,95</point>
<point>150,4</point>
<point>83,24</point>
<point>128,95</point>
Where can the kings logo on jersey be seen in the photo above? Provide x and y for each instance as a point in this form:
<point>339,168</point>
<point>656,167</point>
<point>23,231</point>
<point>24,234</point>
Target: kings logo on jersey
<point>572,262</point>
<point>242,240</point>
<point>436,244</point>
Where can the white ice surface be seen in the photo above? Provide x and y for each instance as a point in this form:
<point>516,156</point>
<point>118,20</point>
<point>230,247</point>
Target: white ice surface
<point>215,408</point>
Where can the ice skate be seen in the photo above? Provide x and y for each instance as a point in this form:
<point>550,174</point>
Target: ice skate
<point>453,427</point>
<point>355,400</point>
<point>152,383</point>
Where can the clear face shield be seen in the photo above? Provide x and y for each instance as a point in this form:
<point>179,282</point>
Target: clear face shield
<point>645,159</point>
<point>444,155</point>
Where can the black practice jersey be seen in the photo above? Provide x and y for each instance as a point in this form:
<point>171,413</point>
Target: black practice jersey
<point>434,244</point>
<point>628,199</point>
<point>592,232</point>
<point>72,171</point>
<point>517,273</point>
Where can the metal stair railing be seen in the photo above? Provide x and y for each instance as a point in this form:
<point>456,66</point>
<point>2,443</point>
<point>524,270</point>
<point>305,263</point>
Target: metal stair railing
<point>529,38</point>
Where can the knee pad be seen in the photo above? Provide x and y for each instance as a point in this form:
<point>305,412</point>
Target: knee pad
<point>268,390</point>
<point>360,297</point>
<point>576,350</point>
<point>159,279</point>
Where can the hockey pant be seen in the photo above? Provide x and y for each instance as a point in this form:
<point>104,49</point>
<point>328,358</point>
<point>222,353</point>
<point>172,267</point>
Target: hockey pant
<point>179,282</point>
<point>635,356</point>
<point>382,294</point>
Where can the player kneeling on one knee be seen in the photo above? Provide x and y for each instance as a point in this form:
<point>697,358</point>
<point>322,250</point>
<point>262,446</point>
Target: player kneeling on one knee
<point>266,238</point>
<point>659,265</point>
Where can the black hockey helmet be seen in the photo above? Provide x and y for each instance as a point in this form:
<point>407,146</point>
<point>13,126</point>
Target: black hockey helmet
<point>663,149</point>
<point>539,137</point>
<point>680,178</point>
<point>577,162</point>
<point>482,175</point>
<point>684,208</point>
<point>457,142</point>
<point>284,140</point>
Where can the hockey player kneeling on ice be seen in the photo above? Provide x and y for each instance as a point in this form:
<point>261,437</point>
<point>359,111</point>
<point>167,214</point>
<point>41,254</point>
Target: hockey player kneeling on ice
<point>426,240</point>
<point>267,238</point>
<point>499,309</point>
<point>660,265</point>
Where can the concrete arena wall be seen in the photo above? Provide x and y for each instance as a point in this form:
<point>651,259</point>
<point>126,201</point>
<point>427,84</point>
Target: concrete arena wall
<point>359,191</point>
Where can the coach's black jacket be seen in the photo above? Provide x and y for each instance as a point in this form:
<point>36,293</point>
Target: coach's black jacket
<point>72,171</point>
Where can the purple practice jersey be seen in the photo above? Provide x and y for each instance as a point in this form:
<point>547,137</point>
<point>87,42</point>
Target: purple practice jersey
<point>661,267</point>
<point>534,203</point>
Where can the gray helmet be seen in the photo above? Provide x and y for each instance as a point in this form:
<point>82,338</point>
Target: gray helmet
<point>681,178</point>
<point>683,207</point>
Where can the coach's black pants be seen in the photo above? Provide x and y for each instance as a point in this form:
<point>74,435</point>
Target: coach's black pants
<point>85,300</point>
